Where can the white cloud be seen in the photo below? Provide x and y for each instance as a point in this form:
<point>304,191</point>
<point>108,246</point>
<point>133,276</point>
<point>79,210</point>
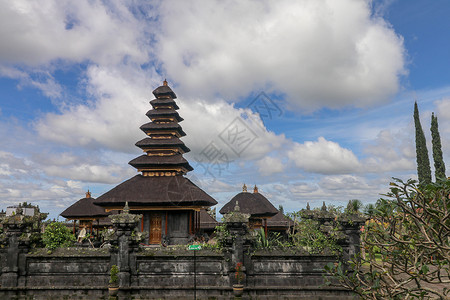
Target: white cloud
<point>270,165</point>
<point>443,115</point>
<point>324,157</point>
<point>217,122</point>
<point>303,188</point>
<point>317,53</point>
<point>391,152</point>
<point>14,166</point>
<point>43,81</point>
<point>343,182</point>
<point>320,53</point>
<point>443,109</point>
<point>90,172</point>
<point>40,32</point>
<point>112,120</point>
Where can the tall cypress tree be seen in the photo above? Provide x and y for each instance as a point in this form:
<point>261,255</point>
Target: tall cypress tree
<point>423,162</point>
<point>439,166</point>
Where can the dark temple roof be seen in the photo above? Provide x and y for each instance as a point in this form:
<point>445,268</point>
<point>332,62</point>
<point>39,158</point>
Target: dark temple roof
<point>254,204</point>
<point>156,143</point>
<point>155,127</point>
<point>164,91</point>
<point>84,208</point>
<point>206,221</point>
<point>280,221</point>
<point>164,102</point>
<point>156,160</point>
<point>164,112</point>
<point>156,191</point>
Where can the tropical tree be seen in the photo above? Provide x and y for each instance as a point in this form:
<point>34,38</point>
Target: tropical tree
<point>423,162</point>
<point>407,246</point>
<point>439,166</point>
<point>369,210</point>
<point>353,206</point>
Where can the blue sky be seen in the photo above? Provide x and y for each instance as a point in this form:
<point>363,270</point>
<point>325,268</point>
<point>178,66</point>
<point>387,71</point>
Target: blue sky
<point>340,78</point>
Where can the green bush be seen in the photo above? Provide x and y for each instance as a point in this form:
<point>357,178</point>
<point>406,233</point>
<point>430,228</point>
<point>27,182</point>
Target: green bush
<point>309,235</point>
<point>57,235</point>
<point>114,278</point>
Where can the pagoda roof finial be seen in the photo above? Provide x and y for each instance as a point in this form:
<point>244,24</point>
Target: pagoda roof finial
<point>165,82</point>
<point>244,188</point>
<point>255,189</point>
<point>88,194</point>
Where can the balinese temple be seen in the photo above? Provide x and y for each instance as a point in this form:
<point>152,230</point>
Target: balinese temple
<point>255,204</point>
<point>208,223</point>
<point>280,223</point>
<point>86,213</point>
<point>169,202</point>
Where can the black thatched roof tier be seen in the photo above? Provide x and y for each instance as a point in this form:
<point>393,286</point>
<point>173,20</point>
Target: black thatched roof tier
<point>164,112</point>
<point>206,221</point>
<point>164,102</point>
<point>165,127</point>
<point>149,143</point>
<point>164,91</point>
<point>156,191</point>
<point>147,161</point>
<point>280,221</point>
<point>84,208</point>
<point>254,204</point>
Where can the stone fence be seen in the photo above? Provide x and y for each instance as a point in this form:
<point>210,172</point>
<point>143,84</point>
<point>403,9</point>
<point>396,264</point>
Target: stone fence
<point>165,273</point>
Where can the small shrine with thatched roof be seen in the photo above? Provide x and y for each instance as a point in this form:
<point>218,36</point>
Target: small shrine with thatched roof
<point>255,204</point>
<point>87,214</point>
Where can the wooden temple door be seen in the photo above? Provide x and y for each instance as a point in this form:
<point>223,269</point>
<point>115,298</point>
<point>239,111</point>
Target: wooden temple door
<point>155,228</point>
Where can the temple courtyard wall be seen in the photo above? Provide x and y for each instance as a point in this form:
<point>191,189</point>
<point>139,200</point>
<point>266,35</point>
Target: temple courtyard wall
<point>165,272</point>
<point>83,273</point>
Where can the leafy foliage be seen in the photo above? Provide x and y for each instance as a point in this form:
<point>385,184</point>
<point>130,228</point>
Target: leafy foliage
<point>407,246</point>
<point>274,240</point>
<point>57,235</point>
<point>222,234</point>
<point>309,235</point>
<point>113,275</point>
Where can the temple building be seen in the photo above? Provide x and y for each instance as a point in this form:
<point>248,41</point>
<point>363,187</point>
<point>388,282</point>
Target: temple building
<point>87,214</point>
<point>169,202</point>
<point>255,204</point>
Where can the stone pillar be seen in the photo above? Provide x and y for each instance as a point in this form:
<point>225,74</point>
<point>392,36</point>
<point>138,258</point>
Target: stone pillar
<point>351,229</point>
<point>124,246</point>
<point>238,242</point>
<point>17,247</point>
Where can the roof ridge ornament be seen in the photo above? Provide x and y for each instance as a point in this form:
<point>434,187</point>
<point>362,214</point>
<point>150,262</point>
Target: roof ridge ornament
<point>236,207</point>
<point>165,82</point>
<point>88,194</point>
<point>255,189</point>
<point>126,208</point>
<point>244,188</point>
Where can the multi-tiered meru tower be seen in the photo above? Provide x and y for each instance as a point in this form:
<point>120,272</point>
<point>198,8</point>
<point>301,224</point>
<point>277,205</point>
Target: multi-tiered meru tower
<point>170,203</point>
<point>163,146</point>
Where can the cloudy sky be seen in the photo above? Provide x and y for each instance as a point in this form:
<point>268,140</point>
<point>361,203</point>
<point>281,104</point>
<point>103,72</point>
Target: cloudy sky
<point>310,100</point>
